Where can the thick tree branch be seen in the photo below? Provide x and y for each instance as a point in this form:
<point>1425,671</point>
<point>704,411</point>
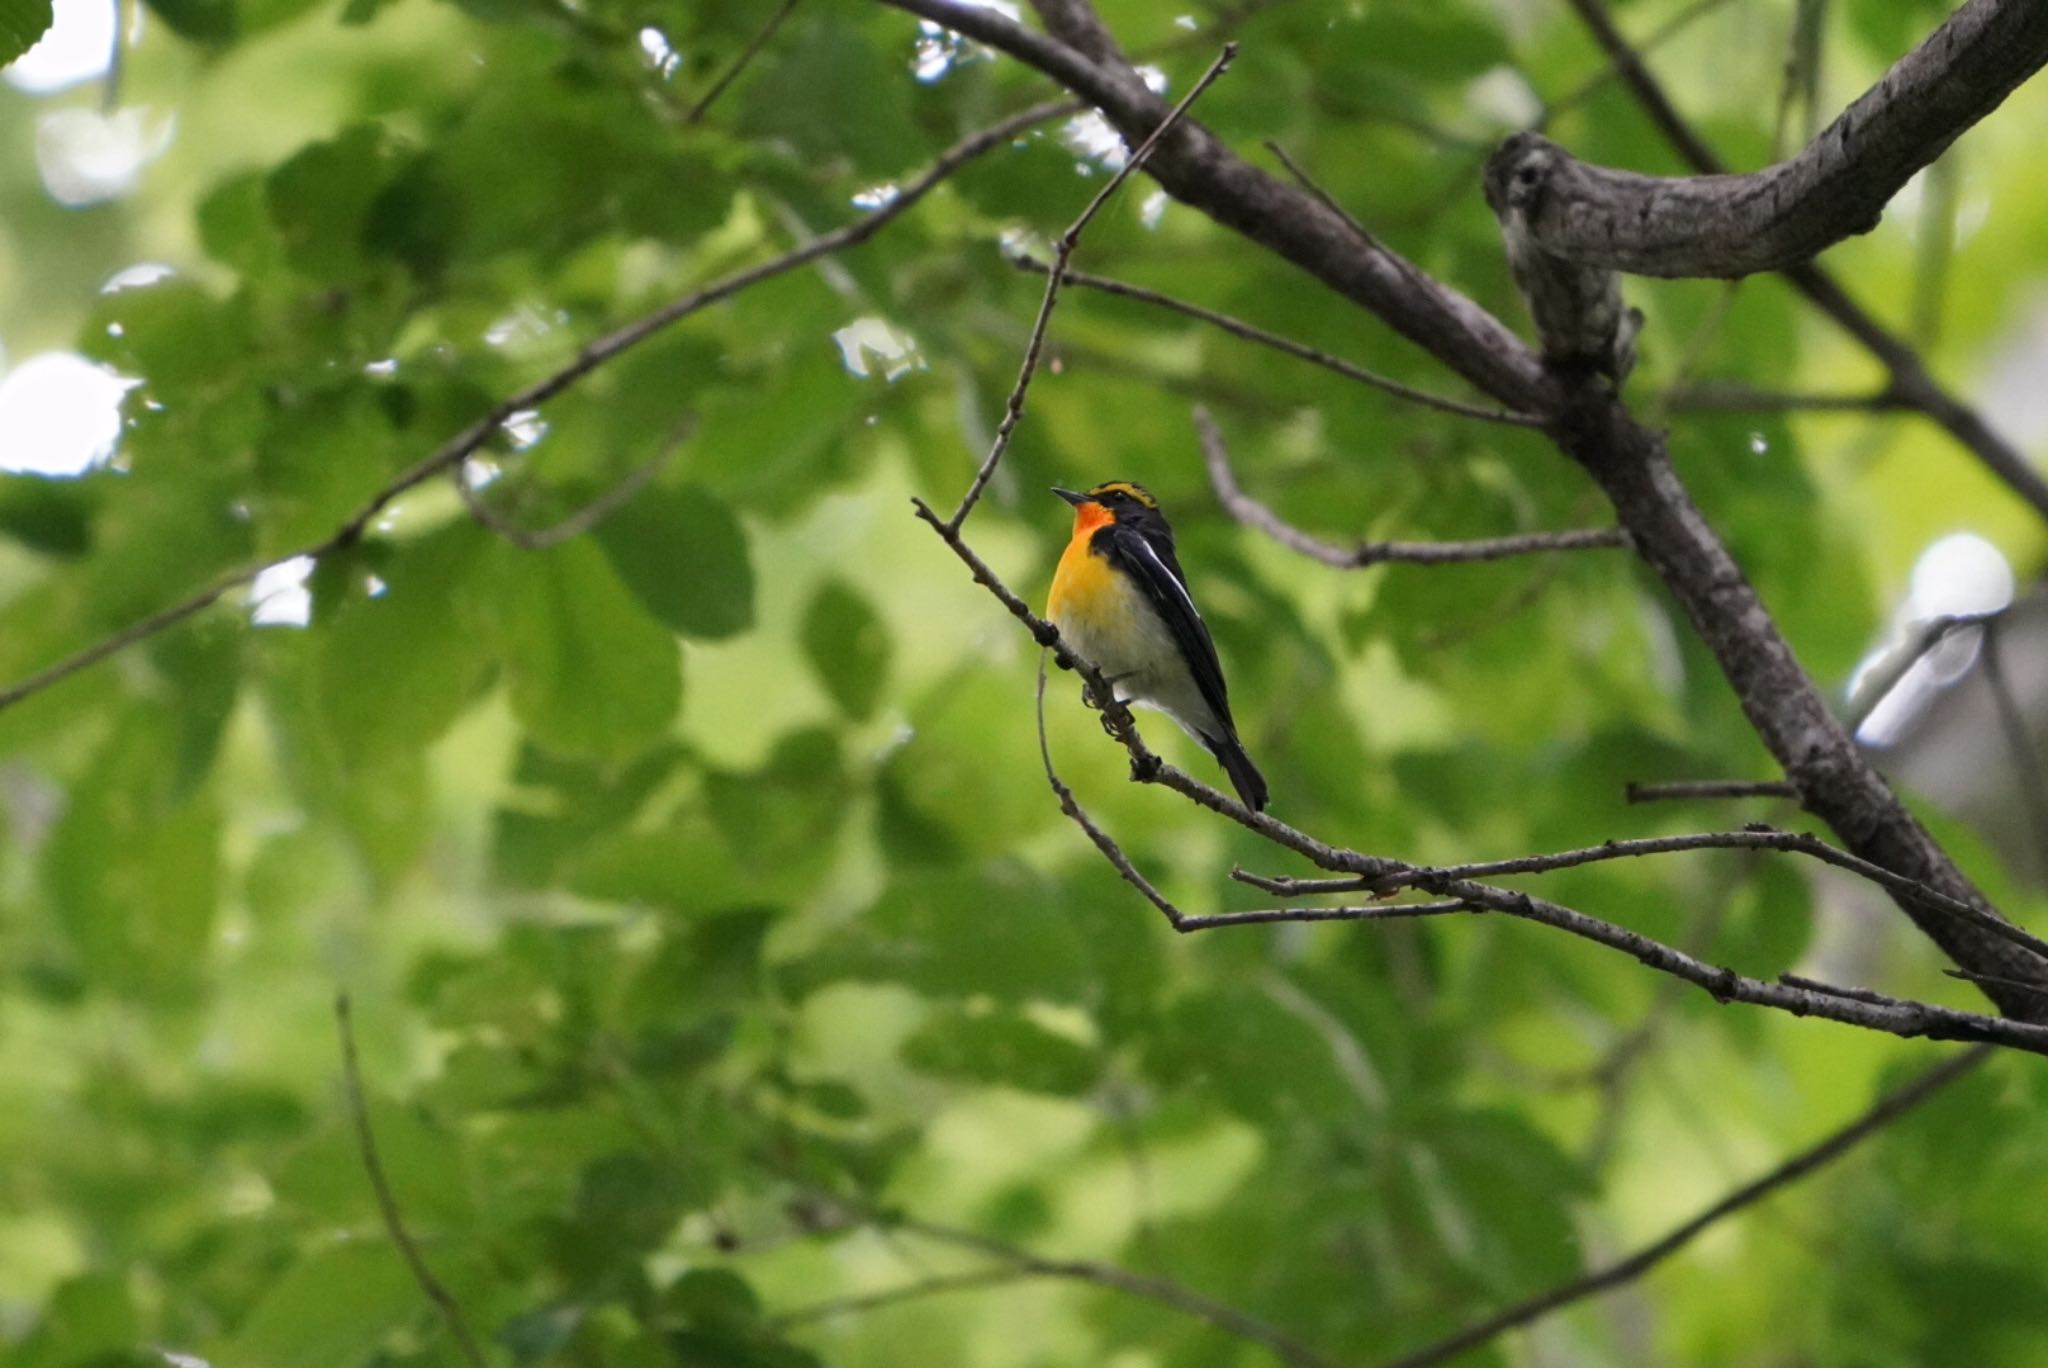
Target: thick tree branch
<point>593,355</point>
<point>1729,226</point>
<point>1249,511</point>
<point>1909,381</point>
<point>1887,1109</point>
<point>1197,169</point>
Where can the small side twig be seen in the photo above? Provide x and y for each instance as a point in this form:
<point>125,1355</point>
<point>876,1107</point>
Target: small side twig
<point>1718,398</point>
<point>387,1204</point>
<point>1253,514</point>
<point>739,63</point>
<point>1063,253</point>
<point>583,519</point>
<point>2018,743</point>
<point>890,1296</point>
<point>1237,327</point>
<point>1321,196</point>
<point>1837,1143</point>
<point>1708,788</point>
<point>1104,842</point>
<point>1160,1291</point>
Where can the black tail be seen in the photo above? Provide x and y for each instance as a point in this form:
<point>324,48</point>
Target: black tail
<point>1244,775</point>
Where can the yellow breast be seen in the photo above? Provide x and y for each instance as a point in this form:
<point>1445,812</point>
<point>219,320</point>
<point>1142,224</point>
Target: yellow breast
<point>1083,588</point>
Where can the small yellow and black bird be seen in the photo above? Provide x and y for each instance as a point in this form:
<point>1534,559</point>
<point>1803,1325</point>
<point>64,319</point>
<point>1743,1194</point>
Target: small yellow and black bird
<point>1120,600</point>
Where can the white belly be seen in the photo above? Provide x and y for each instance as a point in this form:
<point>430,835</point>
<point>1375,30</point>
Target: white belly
<point>1139,655</point>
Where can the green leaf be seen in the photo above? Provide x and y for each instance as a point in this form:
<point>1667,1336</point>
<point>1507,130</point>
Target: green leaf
<point>51,516</point>
<point>684,554</point>
<point>320,200</point>
<point>1001,1047</point>
<point>22,22</point>
<point>133,865</point>
<point>331,1307</point>
<point>848,646</point>
<point>833,96</point>
<point>395,669</point>
<point>591,674</point>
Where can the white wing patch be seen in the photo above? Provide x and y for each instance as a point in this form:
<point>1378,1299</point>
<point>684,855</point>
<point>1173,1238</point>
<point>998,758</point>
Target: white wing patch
<point>1166,574</point>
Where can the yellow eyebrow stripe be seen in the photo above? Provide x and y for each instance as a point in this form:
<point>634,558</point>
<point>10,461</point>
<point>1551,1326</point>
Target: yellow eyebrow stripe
<point>1136,491</point>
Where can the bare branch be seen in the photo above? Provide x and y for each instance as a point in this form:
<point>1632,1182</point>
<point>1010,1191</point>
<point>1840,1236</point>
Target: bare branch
<point>387,1204</point>
<point>583,519</point>
<point>1250,333</point>
<point>1909,379</point>
<point>739,63</point>
<point>1322,196</point>
<point>890,1296</point>
<point>1708,788</point>
<point>1063,253</point>
<point>1249,511</point>
<point>1722,398</point>
<point>1728,226</point>
<point>1966,976</point>
<point>1104,842</point>
<point>1887,1109</point>
<point>2019,745</point>
<point>1159,1291</point>
<point>593,355</point>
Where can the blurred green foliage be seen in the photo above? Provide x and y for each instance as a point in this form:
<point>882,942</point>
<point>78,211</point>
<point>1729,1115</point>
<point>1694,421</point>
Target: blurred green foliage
<point>698,873</point>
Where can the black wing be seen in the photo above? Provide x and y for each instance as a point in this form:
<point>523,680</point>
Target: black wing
<point>1150,561</point>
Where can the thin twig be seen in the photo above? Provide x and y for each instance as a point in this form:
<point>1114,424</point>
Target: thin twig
<point>1104,842</point>
<point>1611,68</point>
<point>1249,511</point>
<point>1752,838</point>
<point>2026,765</point>
<point>889,1296</point>
<point>387,1204</point>
<point>739,64</point>
<point>593,355</point>
<point>1840,990</point>
<point>1160,1291</point>
<point>1301,351</point>
<point>1708,788</point>
<point>2039,990</point>
<point>1322,196</point>
<point>1724,398</point>
<point>1268,916</point>
<point>1887,1109</point>
<point>583,519</point>
<point>1063,253</point>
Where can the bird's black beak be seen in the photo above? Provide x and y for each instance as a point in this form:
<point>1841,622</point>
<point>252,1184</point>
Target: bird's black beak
<point>1070,496</point>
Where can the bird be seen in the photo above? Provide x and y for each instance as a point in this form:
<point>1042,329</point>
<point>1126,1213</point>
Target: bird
<point>1119,600</point>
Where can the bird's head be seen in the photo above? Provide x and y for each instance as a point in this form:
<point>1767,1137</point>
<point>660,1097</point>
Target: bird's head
<point>1118,501</point>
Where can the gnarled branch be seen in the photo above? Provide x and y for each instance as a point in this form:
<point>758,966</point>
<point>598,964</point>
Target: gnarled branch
<point>1730,226</point>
